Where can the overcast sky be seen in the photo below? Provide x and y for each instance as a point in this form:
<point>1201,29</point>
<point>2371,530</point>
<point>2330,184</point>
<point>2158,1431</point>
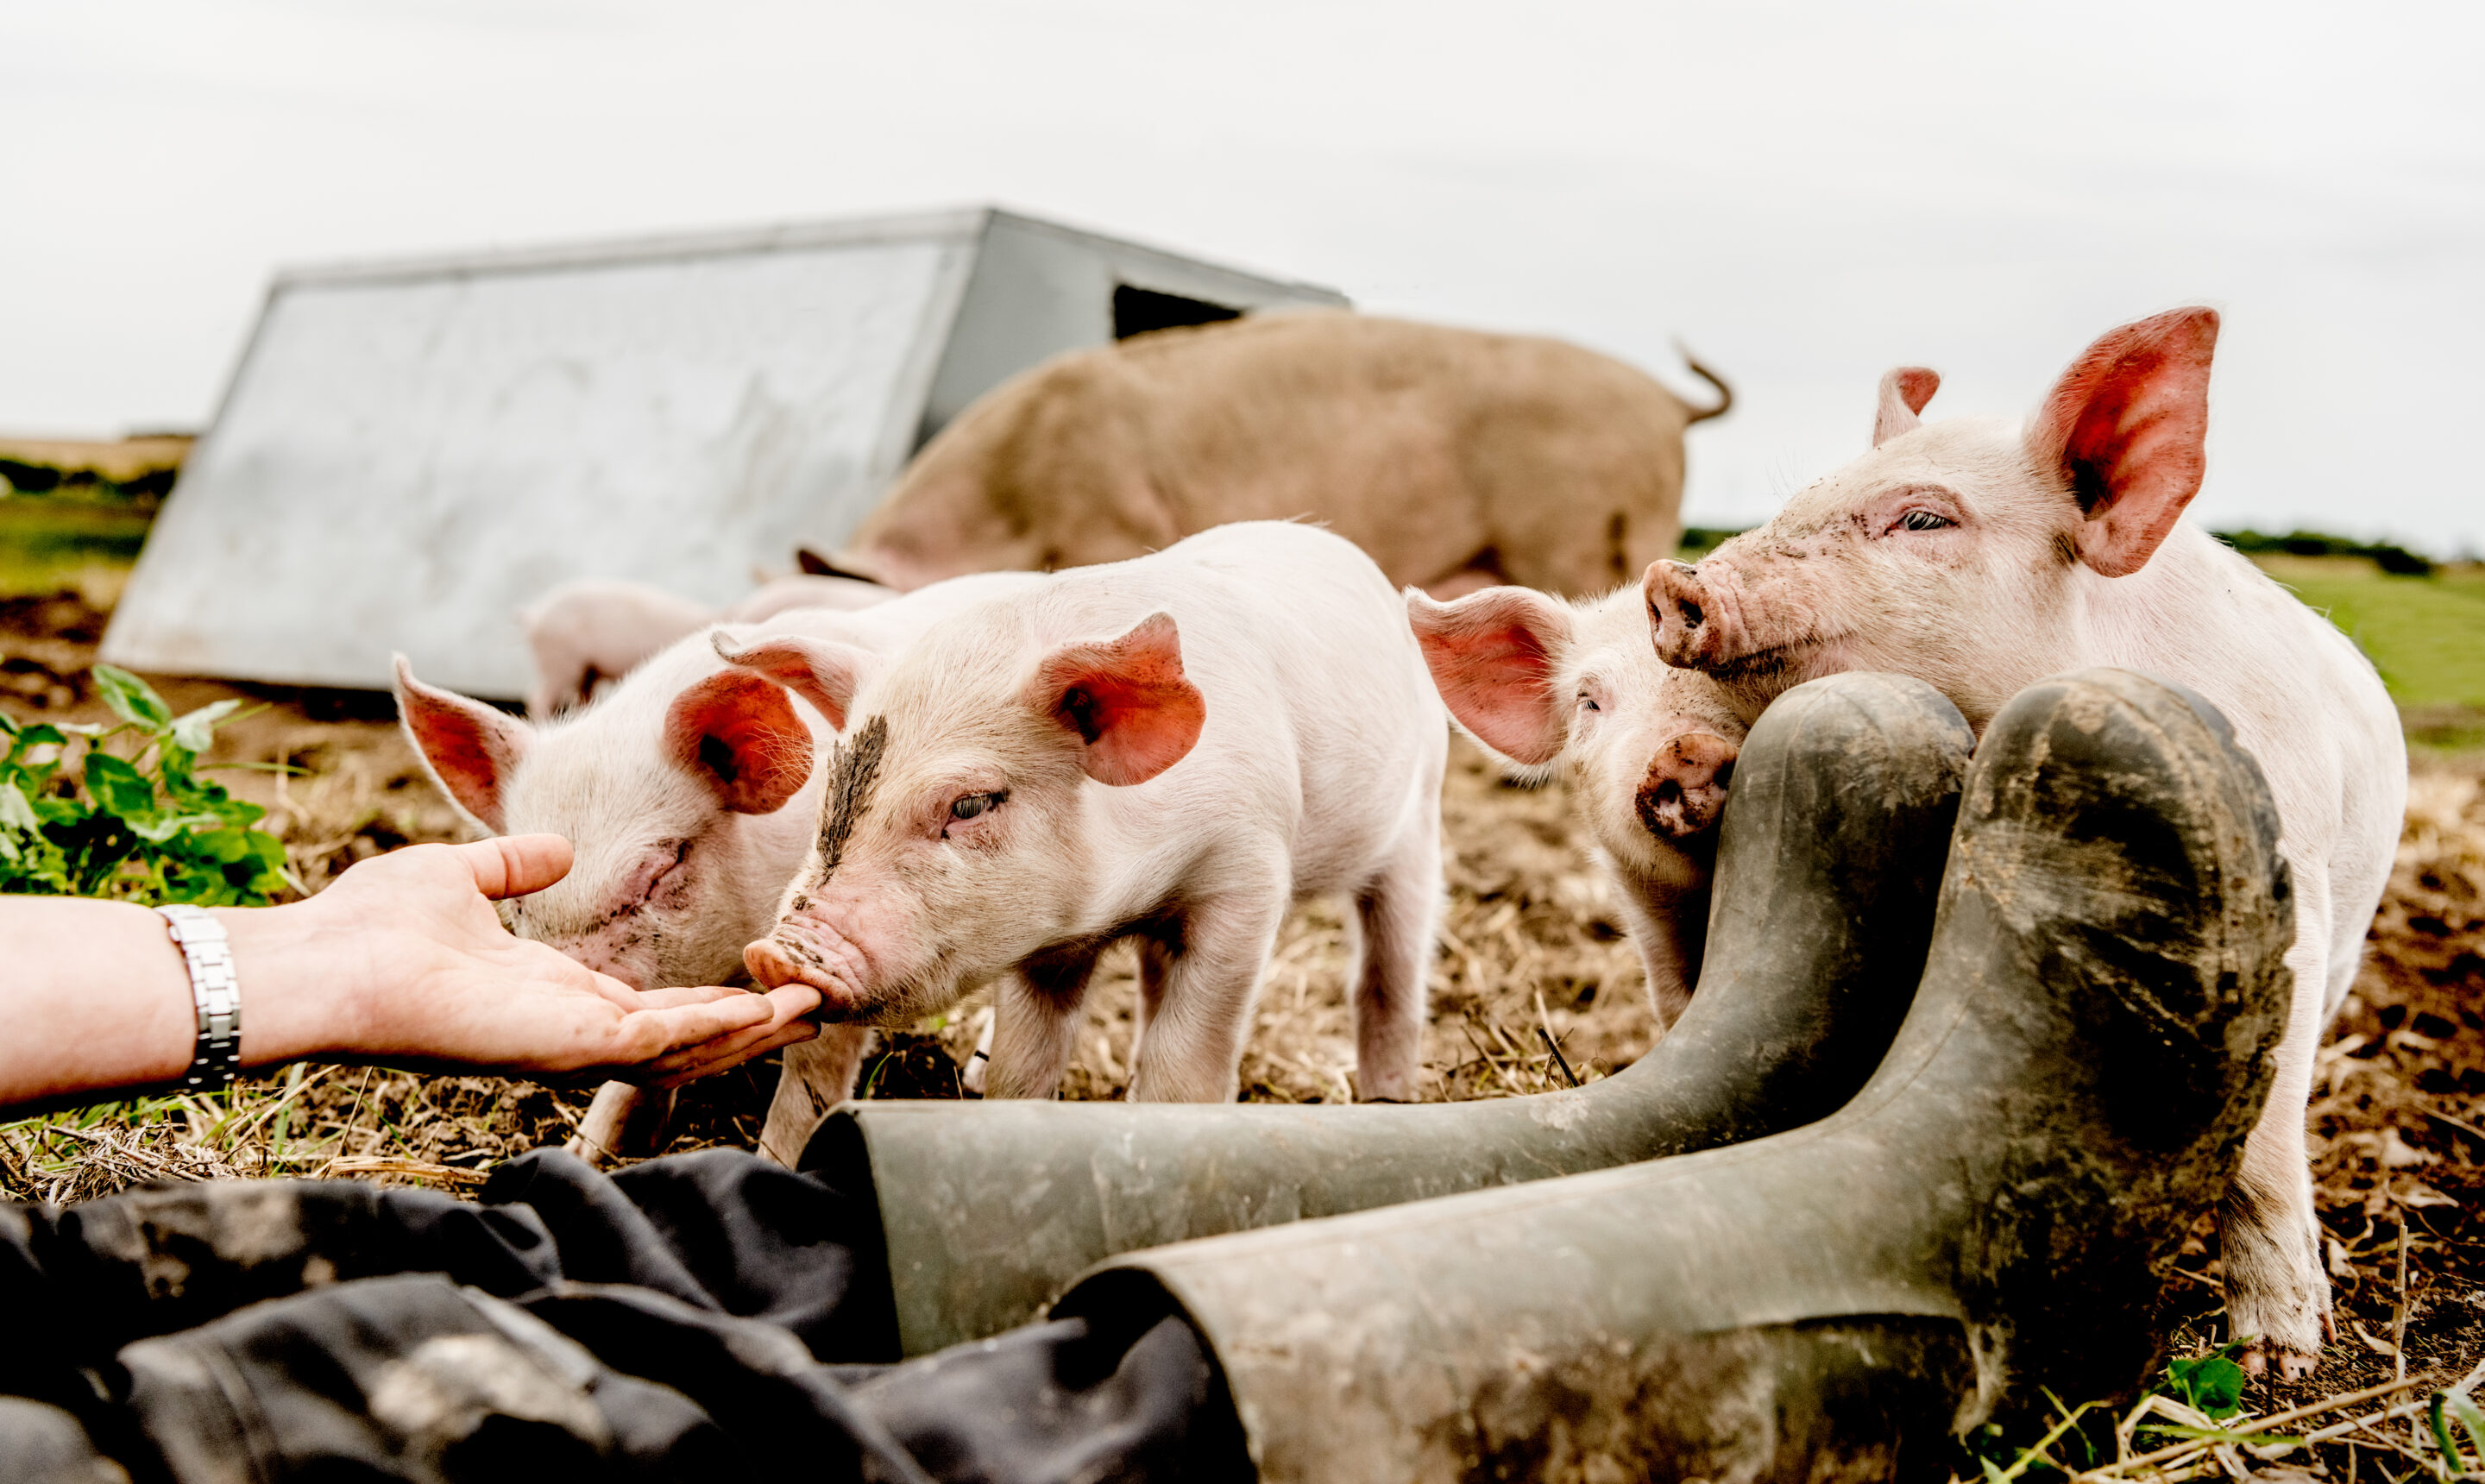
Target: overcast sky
<point>1805,194</point>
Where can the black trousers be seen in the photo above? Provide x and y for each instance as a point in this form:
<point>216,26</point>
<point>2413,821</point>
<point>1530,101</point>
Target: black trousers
<point>692,1317</point>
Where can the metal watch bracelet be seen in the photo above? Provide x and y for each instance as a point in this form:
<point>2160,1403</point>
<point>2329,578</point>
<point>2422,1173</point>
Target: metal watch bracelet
<point>216,993</point>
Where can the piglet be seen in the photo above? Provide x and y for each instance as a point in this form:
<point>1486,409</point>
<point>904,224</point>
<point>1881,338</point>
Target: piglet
<point>1574,688</point>
<point>1983,555</point>
<point>1171,749</point>
<point>588,633</point>
<point>689,793</point>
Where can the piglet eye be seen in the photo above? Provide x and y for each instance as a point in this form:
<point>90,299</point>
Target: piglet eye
<point>969,806</point>
<point>1925,520</point>
<point>1588,702</point>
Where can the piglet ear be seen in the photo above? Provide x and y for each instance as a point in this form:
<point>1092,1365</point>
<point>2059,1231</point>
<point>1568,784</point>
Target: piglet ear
<point>739,734</point>
<point>1903,394</point>
<point>821,672</point>
<point>2125,425</point>
<point>1127,699</point>
<point>1492,654</point>
<point>469,749</point>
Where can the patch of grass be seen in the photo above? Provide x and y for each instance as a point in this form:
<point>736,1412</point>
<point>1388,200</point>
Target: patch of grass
<point>120,810</point>
<point>2426,635</point>
<point>46,544</point>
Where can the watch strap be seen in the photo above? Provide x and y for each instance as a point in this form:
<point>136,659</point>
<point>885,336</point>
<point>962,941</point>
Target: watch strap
<point>216,994</point>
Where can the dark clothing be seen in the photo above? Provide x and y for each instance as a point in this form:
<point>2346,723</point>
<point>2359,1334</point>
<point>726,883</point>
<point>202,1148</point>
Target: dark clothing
<point>696,1317</point>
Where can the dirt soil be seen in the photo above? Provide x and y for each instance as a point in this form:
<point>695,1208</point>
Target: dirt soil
<point>1532,949</point>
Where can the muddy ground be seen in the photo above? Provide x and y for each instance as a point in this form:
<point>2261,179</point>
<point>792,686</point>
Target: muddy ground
<point>1531,950</point>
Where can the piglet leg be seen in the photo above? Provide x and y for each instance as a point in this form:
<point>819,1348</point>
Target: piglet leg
<point>1156,960</point>
<point>2277,1290</point>
<point>1670,933</point>
<point>1396,915</point>
<point>818,1075</point>
<point>1036,1023</point>
<point>624,1122</point>
<point>1194,1040</point>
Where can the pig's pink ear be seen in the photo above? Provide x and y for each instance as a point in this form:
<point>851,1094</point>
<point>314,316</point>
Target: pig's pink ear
<point>1903,394</point>
<point>740,736</point>
<point>1492,654</point>
<point>469,749</point>
<point>823,672</point>
<point>2125,426</point>
<point>1127,699</point>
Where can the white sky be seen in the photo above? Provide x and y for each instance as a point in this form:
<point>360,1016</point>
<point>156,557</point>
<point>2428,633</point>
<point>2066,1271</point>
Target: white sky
<point>1805,193</point>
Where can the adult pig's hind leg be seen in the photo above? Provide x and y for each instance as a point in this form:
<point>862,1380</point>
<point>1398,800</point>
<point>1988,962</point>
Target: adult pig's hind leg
<point>2278,1294</point>
<point>817,1075</point>
<point>1395,915</point>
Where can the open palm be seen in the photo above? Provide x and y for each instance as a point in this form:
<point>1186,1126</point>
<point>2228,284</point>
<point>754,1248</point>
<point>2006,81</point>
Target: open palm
<point>437,981</point>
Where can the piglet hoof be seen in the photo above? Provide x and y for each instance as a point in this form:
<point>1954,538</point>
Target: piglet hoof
<point>1685,787</point>
<point>2292,1364</point>
<point>2282,1308</point>
<point>1390,1087</point>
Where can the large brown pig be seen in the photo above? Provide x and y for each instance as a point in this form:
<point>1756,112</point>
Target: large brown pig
<point>1454,458</point>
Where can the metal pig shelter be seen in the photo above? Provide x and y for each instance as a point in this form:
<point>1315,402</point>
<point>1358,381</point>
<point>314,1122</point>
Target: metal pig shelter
<point>409,452</point>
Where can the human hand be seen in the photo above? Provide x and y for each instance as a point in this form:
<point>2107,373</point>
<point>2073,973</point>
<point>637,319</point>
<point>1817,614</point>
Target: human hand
<point>403,960</point>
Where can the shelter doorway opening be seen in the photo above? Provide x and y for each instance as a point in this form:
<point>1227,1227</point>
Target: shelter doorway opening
<point>1137,311</point>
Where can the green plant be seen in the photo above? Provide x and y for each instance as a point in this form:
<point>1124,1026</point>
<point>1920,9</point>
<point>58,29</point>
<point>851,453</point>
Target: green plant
<point>2088,1437</point>
<point>2446,1408</point>
<point>2212,1384</point>
<point>133,819</point>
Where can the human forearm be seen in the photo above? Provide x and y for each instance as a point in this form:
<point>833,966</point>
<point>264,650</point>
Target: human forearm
<point>97,996</point>
<point>401,961</point>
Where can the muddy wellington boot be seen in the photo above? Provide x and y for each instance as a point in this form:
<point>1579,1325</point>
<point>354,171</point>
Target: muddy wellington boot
<point>1830,856</point>
<point>1990,1214</point>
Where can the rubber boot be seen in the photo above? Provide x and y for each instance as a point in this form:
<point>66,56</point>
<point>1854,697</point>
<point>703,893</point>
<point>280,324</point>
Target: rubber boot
<point>1991,1213</point>
<point>1828,863</point>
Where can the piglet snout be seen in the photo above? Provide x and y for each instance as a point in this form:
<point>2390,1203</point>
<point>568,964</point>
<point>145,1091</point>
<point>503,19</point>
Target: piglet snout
<point>792,955</point>
<point>1685,787</point>
<point>1684,618</point>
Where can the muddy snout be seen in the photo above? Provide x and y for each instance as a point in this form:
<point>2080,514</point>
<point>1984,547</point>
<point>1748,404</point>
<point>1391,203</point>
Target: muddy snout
<point>795,953</point>
<point>1685,787</point>
<point>1684,615</point>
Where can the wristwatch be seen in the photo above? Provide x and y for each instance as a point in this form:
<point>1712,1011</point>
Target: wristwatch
<point>216,993</point>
